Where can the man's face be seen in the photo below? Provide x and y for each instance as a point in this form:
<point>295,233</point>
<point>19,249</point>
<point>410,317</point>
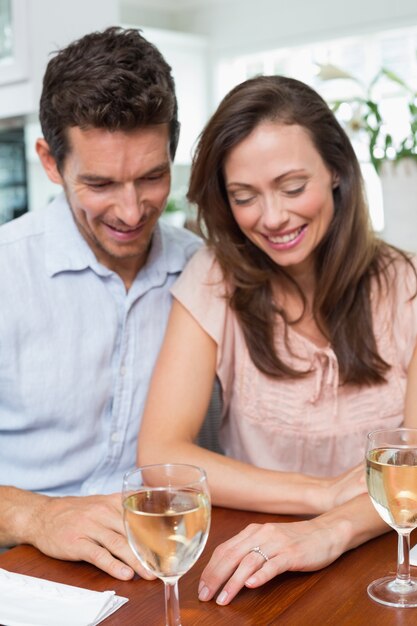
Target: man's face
<point>117,184</point>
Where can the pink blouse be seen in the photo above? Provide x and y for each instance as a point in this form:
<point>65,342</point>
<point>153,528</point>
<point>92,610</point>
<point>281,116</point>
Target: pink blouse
<point>312,425</point>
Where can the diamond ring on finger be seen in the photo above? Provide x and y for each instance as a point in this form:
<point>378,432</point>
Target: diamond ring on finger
<point>259,551</point>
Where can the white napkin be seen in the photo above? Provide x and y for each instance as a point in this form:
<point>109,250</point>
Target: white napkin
<point>413,556</point>
<point>29,601</point>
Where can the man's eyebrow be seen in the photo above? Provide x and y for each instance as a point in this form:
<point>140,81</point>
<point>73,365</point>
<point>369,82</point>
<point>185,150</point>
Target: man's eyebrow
<point>163,167</point>
<point>95,178</point>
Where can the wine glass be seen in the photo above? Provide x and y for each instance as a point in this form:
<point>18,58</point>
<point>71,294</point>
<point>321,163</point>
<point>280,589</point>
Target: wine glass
<point>391,474</point>
<point>166,512</point>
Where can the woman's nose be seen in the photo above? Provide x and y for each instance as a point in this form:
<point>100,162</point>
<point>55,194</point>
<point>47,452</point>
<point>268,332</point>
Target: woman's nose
<point>275,214</point>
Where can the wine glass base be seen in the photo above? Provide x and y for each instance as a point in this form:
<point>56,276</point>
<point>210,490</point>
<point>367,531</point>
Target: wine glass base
<point>393,592</point>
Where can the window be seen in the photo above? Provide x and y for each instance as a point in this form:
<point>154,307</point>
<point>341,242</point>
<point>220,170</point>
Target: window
<point>6,33</point>
<point>13,40</point>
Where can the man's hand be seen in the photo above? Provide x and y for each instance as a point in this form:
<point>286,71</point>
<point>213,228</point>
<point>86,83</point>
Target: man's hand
<point>88,528</point>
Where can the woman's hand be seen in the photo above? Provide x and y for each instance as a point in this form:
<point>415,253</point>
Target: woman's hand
<point>295,546</point>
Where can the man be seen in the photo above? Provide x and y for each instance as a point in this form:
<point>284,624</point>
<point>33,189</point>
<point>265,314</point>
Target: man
<point>84,292</point>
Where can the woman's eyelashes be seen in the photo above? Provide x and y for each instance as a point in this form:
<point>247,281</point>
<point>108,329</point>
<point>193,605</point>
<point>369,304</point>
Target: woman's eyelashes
<point>296,191</point>
<point>242,200</point>
<point>290,192</point>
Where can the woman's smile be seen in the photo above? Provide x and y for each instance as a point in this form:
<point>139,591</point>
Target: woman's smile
<point>287,239</point>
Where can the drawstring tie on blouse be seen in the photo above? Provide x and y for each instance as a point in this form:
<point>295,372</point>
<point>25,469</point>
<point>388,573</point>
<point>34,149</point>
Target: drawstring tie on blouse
<point>326,372</point>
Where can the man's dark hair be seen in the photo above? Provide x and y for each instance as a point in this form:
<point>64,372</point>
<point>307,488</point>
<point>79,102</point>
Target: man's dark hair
<point>115,80</point>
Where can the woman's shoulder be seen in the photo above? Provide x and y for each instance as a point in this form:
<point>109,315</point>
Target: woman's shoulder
<point>204,257</point>
<point>202,274</point>
<point>203,267</point>
<point>398,268</point>
<point>202,292</point>
<point>394,288</point>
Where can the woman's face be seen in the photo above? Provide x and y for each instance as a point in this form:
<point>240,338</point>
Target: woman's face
<point>281,193</point>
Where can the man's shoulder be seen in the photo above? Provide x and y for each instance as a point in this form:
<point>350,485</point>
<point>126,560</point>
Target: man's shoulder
<point>22,245</point>
<point>29,230</point>
<point>20,230</point>
<point>179,240</point>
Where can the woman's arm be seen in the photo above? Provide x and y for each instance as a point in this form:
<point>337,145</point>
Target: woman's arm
<point>300,546</point>
<point>178,399</point>
<point>410,409</point>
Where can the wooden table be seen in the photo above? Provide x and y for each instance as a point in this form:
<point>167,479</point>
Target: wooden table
<point>333,596</point>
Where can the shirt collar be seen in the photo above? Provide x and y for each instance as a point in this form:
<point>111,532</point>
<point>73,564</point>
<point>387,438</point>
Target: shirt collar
<point>168,255</point>
<point>67,250</point>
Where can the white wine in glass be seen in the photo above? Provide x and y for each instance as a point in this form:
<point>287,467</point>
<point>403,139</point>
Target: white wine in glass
<point>167,520</point>
<point>391,473</point>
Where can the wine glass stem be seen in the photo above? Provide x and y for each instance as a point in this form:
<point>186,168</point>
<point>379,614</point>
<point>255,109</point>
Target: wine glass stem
<point>172,606</point>
<point>403,563</point>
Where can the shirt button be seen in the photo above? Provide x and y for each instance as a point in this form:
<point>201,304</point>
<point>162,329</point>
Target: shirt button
<point>122,370</point>
<point>92,491</point>
<point>115,437</point>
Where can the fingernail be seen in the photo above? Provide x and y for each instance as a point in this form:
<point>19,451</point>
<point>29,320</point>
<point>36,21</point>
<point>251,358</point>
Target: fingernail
<point>126,572</point>
<point>221,598</point>
<point>203,593</point>
<point>201,585</point>
<point>251,581</point>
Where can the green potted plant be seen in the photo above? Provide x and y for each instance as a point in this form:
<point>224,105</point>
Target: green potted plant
<point>367,117</point>
<point>175,211</point>
<point>394,156</point>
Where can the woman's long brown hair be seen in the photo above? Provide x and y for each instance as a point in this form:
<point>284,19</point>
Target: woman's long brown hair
<point>347,260</point>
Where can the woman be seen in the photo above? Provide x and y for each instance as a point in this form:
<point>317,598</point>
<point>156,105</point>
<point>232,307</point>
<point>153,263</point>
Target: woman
<point>309,322</point>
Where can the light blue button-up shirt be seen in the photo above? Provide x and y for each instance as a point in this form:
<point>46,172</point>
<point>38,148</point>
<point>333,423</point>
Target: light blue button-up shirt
<point>76,352</point>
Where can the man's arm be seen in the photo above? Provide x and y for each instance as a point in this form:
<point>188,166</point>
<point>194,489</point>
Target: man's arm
<point>86,528</point>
